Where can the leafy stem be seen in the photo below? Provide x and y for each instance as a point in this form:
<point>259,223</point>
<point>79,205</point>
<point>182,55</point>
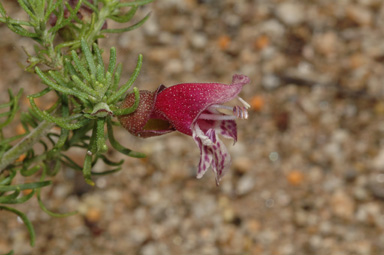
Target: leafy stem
<point>25,144</point>
<point>68,60</point>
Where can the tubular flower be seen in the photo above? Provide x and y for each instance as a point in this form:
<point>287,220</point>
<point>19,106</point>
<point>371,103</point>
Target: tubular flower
<point>195,109</point>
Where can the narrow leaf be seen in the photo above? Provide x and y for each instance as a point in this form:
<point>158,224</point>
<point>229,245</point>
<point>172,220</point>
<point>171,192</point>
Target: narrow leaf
<point>138,2</point>
<point>61,89</point>
<point>89,57</point>
<point>2,10</point>
<point>26,221</point>
<point>118,146</point>
<point>44,208</point>
<point>126,17</point>
<point>122,30</point>
<point>116,77</point>
<point>131,109</point>
<point>80,66</point>
<point>116,97</point>
<point>24,186</point>
<point>99,58</point>
<point>19,200</point>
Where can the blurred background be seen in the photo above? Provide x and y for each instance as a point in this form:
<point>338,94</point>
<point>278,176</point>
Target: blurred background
<point>308,170</point>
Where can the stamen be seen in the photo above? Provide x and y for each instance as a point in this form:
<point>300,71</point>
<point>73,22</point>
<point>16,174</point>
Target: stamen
<point>240,112</point>
<point>244,103</point>
<point>207,116</point>
<point>218,106</point>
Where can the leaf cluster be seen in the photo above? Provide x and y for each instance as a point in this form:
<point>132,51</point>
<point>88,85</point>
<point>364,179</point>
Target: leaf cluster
<point>69,62</point>
<point>60,24</point>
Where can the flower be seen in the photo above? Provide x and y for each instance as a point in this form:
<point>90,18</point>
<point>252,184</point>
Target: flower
<point>195,109</point>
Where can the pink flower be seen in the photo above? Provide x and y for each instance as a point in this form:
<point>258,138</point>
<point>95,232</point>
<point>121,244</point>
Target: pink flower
<point>193,109</point>
<point>196,109</point>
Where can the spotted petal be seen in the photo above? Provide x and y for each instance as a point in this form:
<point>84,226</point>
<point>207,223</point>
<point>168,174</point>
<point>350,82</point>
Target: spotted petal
<point>181,104</point>
<point>213,153</point>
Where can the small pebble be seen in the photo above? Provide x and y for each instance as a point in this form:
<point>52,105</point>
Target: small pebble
<point>291,13</point>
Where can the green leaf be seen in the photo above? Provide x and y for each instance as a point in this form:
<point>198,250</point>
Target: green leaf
<point>31,171</point>
<point>10,197</point>
<point>82,86</point>
<point>116,78</point>
<point>52,171</point>
<point>2,10</point>
<point>59,88</point>
<point>64,132</point>
<point>11,139</point>
<point>28,9</point>
<point>112,60</point>
<point>100,74</point>
<point>107,171</point>
<point>89,57</point>
<point>26,221</point>
<point>92,150</point>
<point>100,137</point>
<point>92,6</point>
<point>14,100</point>
<point>69,162</point>
<point>22,31</point>
<point>118,146</point>
<point>80,67</point>
<point>138,2</point>
<point>44,208</point>
<point>87,170</point>
<point>8,179</point>
<point>122,30</point>
<point>15,22</point>
<point>126,17</point>
<point>59,19</point>
<point>109,162</point>
<point>61,122</point>
<point>125,111</point>
<point>23,199</point>
<point>51,6</point>
<point>72,44</point>
<point>99,58</point>
<point>117,96</point>
<point>39,9</point>
<point>60,23</point>
<point>32,185</point>
<point>9,253</point>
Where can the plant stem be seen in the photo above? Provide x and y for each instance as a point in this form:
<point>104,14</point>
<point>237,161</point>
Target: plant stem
<point>25,144</point>
<point>104,12</point>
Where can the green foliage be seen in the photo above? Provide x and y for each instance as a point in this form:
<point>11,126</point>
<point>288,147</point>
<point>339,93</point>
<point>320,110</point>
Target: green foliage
<point>69,62</point>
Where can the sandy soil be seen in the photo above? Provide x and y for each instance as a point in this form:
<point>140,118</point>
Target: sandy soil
<point>308,170</point>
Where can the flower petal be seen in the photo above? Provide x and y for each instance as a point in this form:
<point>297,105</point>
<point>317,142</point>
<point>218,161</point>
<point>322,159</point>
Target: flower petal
<point>213,153</point>
<point>228,129</point>
<point>182,104</point>
<point>203,143</point>
<point>205,157</point>
<point>221,157</point>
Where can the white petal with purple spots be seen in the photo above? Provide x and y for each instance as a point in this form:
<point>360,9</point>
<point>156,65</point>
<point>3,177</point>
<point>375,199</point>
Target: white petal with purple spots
<point>228,129</point>
<point>205,152</point>
<point>212,153</point>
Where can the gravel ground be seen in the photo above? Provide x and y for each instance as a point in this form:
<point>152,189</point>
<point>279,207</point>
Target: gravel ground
<point>308,170</point>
